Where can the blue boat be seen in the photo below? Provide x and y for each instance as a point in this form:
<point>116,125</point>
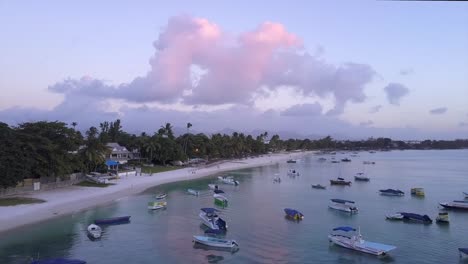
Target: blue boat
<point>59,261</point>
<point>416,218</point>
<point>294,214</point>
<point>113,220</point>
<point>391,192</point>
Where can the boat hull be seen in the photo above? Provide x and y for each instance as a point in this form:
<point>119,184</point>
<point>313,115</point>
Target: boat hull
<point>363,246</point>
<point>338,182</point>
<point>343,208</point>
<point>215,242</point>
<point>454,206</point>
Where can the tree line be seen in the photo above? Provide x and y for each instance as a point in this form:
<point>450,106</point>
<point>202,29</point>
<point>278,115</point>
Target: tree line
<point>54,149</point>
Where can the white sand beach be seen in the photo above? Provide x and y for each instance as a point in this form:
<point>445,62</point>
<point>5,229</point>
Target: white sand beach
<point>76,198</point>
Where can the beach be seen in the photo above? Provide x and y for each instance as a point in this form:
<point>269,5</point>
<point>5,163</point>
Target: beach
<point>73,199</point>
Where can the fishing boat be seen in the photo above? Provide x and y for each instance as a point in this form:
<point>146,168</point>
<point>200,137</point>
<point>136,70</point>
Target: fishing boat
<point>218,191</point>
<point>113,220</point>
<point>220,198</point>
<point>395,216</point>
<point>211,219</point>
<point>345,160</point>
<point>355,242</point>
<point>343,205</point>
<point>215,242</point>
<point>94,231</point>
<point>59,261</point>
<point>277,179</point>
<point>442,218</point>
<point>293,172</point>
<point>161,196</point>
<point>156,205</point>
<point>361,177</point>
<point>391,192</point>
<point>417,192</point>
<point>461,205</point>
<point>463,252</point>
<point>340,181</point>
<point>318,186</point>
<point>213,186</point>
<point>228,180</point>
<point>293,214</point>
<point>193,192</point>
<point>416,218</point>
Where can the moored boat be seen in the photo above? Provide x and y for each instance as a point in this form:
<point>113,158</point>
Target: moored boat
<point>113,220</point>
<point>416,218</point>
<point>442,218</point>
<point>193,192</point>
<point>228,180</point>
<point>211,219</point>
<point>215,242</point>
<point>395,216</point>
<point>343,205</point>
<point>293,172</point>
<point>291,161</point>
<point>460,205</point>
<point>368,162</point>
<point>392,192</point>
<point>161,196</point>
<point>293,214</point>
<point>318,186</point>
<point>361,177</point>
<point>345,160</point>
<point>59,261</point>
<point>156,205</point>
<point>340,181</point>
<point>94,231</point>
<point>417,192</point>
<point>355,242</point>
<point>220,198</point>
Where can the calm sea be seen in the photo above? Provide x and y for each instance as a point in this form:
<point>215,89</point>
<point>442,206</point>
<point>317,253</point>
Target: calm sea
<point>256,219</point>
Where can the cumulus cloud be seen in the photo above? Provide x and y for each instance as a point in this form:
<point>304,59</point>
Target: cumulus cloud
<point>367,123</point>
<point>438,111</point>
<point>303,110</point>
<point>394,92</point>
<point>406,71</point>
<point>375,109</point>
<point>232,68</point>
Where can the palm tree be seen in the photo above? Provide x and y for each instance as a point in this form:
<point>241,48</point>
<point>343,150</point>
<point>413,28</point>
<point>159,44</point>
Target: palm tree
<point>74,124</point>
<point>189,125</point>
<point>94,152</point>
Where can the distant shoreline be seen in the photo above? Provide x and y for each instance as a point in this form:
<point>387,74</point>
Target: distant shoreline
<point>74,199</point>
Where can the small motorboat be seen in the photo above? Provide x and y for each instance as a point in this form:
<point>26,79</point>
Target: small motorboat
<point>318,186</point>
<point>220,199</point>
<point>293,214</point>
<point>291,161</point>
<point>293,172</point>
<point>213,186</point>
<point>277,179</point>
<point>113,220</point>
<point>94,231</point>
<point>416,218</point>
<point>215,242</point>
<point>218,191</point>
<point>343,205</point>
<point>59,261</point>
<point>442,218</point>
<point>417,192</point>
<point>156,205</point>
<point>458,205</point>
<point>340,181</point>
<point>228,180</point>
<point>355,242</point>
<point>368,162</point>
<point>345,160</point>
<point>361,177</point>
<point>463,252</point>
<point>193,192</point>
<point>161,196</point>
<point>391,192</point>
<point>395,216</point>
<point>211,219</point>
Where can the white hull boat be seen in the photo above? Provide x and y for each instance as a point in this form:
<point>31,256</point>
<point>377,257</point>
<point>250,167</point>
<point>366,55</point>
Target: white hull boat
<point>343,205</point>
<point>161,196</point>
<point>220,198</point>
<point>396,216</point>
<point>193,192</point>
<point>94,231</point>
<point>156,205</point>
<point>215,242</point>
<point>355,242</point>
<point>211,219</point>
<point>228,180</point>
<point>462,205</point>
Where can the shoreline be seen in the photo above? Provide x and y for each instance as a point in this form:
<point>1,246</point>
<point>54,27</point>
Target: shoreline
<point>74,199</point>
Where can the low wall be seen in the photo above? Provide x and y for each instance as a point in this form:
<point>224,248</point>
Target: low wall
<point>42,184</point>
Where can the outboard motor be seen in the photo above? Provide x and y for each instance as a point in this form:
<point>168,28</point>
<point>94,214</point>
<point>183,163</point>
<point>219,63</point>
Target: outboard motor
<point>221,224</point>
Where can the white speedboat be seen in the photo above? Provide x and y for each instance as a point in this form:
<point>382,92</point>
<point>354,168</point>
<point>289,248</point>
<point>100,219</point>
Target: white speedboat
<point>161,196</point>
<point>193,192</point>
<point>361,177</point>
<point>462,205</point>
<point>156,205</point>
<point>94,231</point>
<point>343,205</point>
<point>215,242</point>
<point>355,242</point>
<point>228,180</point>
<point>211,219</point>
<point>293,172</point>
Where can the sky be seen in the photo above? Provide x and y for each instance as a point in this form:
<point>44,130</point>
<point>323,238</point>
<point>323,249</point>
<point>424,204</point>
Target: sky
<point>350,69</point>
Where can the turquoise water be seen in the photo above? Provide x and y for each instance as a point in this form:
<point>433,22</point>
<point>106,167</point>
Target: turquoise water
<point>256,219</point>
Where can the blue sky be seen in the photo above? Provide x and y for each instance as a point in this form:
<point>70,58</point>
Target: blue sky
<point>45,42</point>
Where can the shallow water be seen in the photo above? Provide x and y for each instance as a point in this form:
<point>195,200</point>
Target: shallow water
<point>256,219</point>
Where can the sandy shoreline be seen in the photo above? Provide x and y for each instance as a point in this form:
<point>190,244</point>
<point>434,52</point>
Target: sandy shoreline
<point>75,198</point>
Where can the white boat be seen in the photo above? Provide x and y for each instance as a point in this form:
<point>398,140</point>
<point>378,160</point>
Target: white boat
<point>360,176</point>
<point>215,242</point>
<point>211,219</point>
<point>193,192</point>
<point>395,216</point>
<point>94,231</point>
<point>156,205</point>
<point>220,198</point>
<point>161,196</point>
<point>462,205</point>
<point>343,205</point>
<point>228,180</point>
<point>355,242</point>
<point>293,172</point>
<point>213,186</point>
<point>442,218</point>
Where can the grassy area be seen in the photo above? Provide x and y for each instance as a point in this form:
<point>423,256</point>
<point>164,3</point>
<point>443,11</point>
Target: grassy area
<point>156,169</point>
<point>93,184</point>
<point>19,200</point>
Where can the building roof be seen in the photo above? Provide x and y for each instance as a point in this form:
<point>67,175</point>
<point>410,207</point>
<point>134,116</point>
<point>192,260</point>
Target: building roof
<point>115,147</point>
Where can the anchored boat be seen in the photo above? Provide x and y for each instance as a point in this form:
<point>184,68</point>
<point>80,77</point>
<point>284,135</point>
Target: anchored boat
<point>361,177</point>
<point>293,172</point>
<point>215,242</point>
<point>391,192</point>
<point>220,199</point>
<point>161,196</point>
<point>318,186</point>
<point>442,218</point>
<point>156,205</point>
<point>461,205</point>
<point>94,231</point>
<point>193,192</point>
<point>228,180</point>
<point>211,219</point>
<point>417,192</point>
<point>343,205</point>
<point>355,242</point>
<point>416,218</point>
<point>340,181</point>
<point>293,214</point>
